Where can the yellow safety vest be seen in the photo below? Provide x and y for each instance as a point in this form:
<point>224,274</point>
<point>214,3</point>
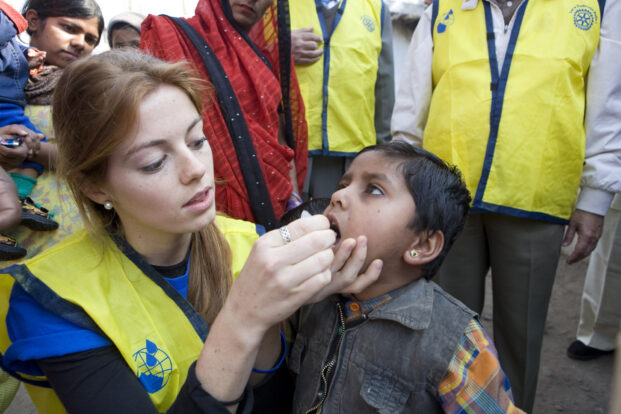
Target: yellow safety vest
<point>339,89</point>
<point>517,135</point>
<point>158,342</point>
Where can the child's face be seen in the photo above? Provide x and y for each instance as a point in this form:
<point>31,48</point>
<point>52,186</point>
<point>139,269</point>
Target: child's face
<point>373,200</point>
<point>125,38</point>
<point>65,39</point>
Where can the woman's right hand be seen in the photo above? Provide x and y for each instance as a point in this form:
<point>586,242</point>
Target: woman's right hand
<point>276,280</point>
<point>279,277</point>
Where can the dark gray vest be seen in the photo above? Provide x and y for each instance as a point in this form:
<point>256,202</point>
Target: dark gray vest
<point>391,362</point>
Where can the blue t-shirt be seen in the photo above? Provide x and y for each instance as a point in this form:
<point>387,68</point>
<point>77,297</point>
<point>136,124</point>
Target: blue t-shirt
<point>37,333</point>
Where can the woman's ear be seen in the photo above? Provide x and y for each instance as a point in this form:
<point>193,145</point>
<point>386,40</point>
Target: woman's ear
<point>34,22</point>
<point>426,247</point>
<point>94,192</point>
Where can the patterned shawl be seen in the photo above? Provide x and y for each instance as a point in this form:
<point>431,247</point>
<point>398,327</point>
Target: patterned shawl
<point>253,66</point>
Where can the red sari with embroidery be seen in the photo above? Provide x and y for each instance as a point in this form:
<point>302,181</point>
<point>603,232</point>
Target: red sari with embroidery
<point>254,73</point>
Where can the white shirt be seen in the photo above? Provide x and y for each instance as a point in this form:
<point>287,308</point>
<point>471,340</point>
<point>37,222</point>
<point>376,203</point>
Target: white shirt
<point>601,175</point>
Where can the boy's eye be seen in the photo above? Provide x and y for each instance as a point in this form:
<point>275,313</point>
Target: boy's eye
<point>197,144</point>
<point>154,166</point>
<point>374,190</point>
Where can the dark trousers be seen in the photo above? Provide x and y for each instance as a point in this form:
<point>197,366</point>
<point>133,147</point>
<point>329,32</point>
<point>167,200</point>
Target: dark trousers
<point>522,255</point>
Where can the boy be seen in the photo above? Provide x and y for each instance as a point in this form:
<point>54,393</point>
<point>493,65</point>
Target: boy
<point>402,344</point>
<point>124,31</point>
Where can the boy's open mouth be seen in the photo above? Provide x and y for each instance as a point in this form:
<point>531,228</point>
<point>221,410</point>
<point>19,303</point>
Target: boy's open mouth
<point>334,226</point>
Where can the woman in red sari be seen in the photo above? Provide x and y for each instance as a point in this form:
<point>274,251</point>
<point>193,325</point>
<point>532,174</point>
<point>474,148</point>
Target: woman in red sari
<point>256,124</point>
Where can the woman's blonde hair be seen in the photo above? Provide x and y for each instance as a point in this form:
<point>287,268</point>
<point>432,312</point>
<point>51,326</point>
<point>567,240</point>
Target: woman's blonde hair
<point>94,110</point>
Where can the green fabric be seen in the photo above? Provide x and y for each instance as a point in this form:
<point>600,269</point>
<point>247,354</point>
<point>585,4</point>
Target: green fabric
<point>8,389</point>
<point>24,184</point>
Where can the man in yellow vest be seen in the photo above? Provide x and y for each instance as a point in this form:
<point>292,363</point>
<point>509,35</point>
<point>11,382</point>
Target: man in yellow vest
<point>499,88</point>
<point>344,63</point>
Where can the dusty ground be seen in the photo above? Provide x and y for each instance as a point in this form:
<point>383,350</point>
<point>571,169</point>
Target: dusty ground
<point>565,386</point>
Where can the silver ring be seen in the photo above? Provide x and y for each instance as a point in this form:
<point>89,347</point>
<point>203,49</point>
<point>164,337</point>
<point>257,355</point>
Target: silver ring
<point>284,233</point>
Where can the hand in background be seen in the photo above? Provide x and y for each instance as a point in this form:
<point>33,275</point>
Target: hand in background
<point>31,144</point>
<point>305,46</point>
<point>588,227</point>
<point>11,157</point>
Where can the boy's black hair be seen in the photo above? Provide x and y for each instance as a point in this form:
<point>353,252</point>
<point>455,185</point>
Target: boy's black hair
<point>440,195</point>
<point>313,206</point>
<point>82,9</point>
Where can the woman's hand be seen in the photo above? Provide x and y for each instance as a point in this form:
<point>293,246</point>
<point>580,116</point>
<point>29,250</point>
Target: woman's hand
<point>280,276</point>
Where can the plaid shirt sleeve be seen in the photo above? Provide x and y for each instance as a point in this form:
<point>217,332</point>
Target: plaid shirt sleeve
<point>474,381</point>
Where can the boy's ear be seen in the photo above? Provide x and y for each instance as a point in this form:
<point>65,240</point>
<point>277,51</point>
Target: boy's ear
<point>426,247</point>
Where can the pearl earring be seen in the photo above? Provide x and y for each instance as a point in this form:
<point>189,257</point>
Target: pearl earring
<point>413,253</point>
<point>108,205</point>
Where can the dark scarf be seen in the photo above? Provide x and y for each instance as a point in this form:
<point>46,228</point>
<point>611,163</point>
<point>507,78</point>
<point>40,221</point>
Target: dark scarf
<point>39,87</point>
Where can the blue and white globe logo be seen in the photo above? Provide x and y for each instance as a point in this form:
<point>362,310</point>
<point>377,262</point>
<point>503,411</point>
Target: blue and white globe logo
<point>446,20</point>
<point>154,367</point>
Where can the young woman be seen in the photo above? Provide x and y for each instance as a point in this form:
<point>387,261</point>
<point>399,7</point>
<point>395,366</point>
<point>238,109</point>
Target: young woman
<point>109,303</point>
<point>66,30</point>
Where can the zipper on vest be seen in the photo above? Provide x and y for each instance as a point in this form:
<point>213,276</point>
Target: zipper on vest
<point>327,373</point>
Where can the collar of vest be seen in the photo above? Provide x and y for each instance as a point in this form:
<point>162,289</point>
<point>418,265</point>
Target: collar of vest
<point>411,306</point>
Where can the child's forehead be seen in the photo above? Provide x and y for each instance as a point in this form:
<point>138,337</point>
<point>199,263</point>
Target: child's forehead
<point>375,162</point>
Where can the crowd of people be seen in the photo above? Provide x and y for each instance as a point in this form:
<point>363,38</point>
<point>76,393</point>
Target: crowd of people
<point>235,212</point>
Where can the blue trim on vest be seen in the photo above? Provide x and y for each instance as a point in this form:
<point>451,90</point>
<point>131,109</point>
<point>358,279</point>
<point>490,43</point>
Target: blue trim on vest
<point>332,153</point>
<point>199,325</point>
<point>516,212</point>
<point>326,69</point>
<point>497,86</point>
<point>435,6</point>
<point>602,6</point>
<point>50,300</point>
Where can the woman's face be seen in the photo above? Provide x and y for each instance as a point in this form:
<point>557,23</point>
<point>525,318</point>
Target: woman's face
<point>247,12</point>
<point>161,181</point>
<point>65,39</point>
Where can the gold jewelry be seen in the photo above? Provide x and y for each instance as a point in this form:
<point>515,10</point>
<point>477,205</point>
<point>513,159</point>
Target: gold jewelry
<point>413,253</point>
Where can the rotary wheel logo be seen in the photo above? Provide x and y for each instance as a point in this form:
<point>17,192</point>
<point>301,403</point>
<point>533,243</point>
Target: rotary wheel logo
<point>584,17</point>
<point>368,22</point>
